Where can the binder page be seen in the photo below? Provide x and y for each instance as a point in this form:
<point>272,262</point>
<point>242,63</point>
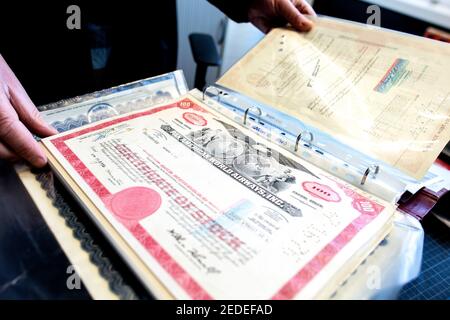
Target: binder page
<point>79,111</point>
<point>213,210</point>
<point>383,93</point>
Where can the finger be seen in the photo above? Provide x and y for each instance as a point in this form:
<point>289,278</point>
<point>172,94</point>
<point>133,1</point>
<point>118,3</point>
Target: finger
<point>7,154</point>
<point>261,23</point>
<point>20,140</point>
<point>288,11</point>
<point>16,136</point>
<point>28,113</point>
<point>22,103</point>
<point>305,8</point>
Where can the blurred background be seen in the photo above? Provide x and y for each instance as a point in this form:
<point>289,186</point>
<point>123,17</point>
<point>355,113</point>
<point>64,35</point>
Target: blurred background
<point>119,43</point>
<point>233,39</point>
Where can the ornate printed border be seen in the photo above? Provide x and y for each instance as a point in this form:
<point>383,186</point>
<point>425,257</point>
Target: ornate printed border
<point>115,280</point>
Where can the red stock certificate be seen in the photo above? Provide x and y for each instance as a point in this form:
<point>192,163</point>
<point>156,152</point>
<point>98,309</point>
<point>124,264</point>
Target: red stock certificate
<point>214,211</point>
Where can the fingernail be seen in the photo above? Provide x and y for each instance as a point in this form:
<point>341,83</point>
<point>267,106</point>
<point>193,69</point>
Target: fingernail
<point>53,130</point>
<point>45,124</point>
<point>49,127</point>
<point>307,25</point>
<point>39,161</point>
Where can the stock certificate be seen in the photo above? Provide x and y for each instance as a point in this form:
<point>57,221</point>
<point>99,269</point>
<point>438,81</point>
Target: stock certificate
<point>216,212</point>
<point>79,111</point>
<point>383,93</point>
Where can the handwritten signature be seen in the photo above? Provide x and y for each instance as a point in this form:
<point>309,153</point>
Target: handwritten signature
<point>194,253</point>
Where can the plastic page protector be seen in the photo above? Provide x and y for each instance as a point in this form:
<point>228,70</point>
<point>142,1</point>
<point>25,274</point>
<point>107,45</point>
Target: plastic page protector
<point>383,93</point>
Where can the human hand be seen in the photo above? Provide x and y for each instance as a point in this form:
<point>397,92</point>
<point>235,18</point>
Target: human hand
<point>266,14</point>
<point>18,118</point>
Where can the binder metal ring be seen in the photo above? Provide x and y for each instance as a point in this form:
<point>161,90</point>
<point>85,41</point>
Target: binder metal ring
<point>299,137</point>
<point>246,113</point>
<point>374,169</point>
<point>206,89</point>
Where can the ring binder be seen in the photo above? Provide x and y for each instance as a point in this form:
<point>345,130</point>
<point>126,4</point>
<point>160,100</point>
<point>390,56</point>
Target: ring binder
<point>248,109</point>
<point>299,137</point>
<point>347,166</point>
<point>375,169</point>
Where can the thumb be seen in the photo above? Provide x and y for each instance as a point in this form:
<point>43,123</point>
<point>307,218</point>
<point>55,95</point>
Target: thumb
<point>261,23</point>
<point>21,102</point>
<point>29,114</point>
<point>289,11</point>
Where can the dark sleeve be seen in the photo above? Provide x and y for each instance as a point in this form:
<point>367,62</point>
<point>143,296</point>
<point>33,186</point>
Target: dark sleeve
<point>236,10</point>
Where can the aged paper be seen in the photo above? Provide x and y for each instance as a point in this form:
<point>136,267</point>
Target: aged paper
<point>215,211</point>
<point>383,93</point>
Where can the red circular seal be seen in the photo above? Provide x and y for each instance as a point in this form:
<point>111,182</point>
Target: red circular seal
<point>135,203</point>
<point>321,191</point>
<point>194,119</point>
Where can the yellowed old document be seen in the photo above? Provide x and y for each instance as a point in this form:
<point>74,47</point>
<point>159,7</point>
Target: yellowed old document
<point>383,93</point>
